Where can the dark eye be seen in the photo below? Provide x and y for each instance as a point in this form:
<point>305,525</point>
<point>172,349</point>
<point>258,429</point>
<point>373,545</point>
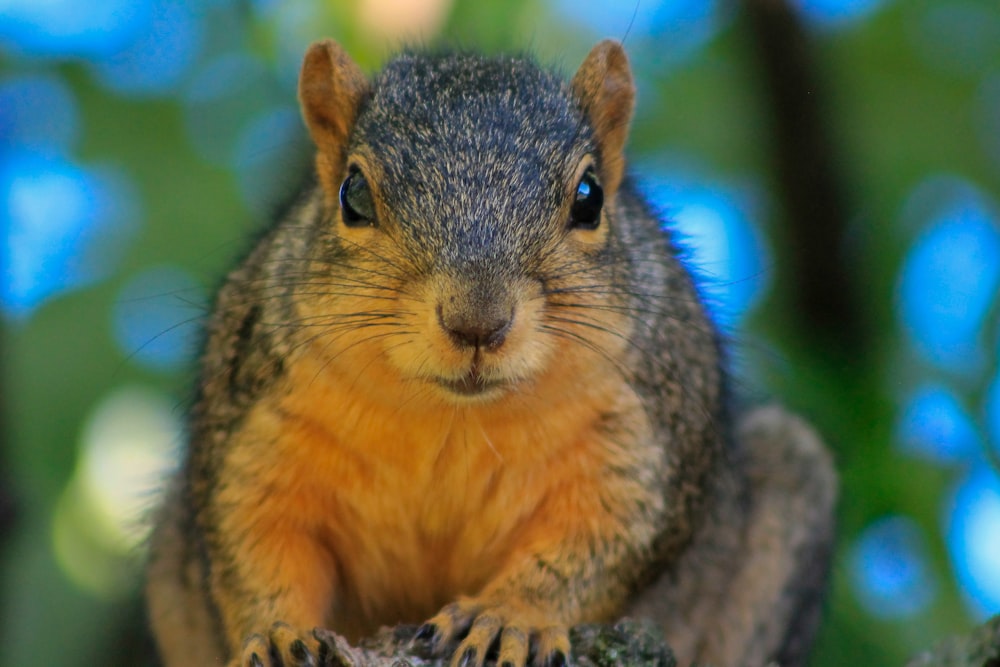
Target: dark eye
<point>356,204</point>
<point>586,210</point>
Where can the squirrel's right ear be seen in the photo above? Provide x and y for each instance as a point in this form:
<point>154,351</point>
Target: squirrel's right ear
<point>604,87</point>
<point>331,88</point>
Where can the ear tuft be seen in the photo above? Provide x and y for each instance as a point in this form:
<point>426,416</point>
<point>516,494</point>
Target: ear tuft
<point>606,92</point>
<point>331,88</point>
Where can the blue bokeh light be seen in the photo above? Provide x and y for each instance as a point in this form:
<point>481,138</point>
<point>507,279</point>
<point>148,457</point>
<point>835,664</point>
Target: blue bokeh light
<point>65,227</point>
<point>37,113</point>
<point>135,47</point>
<point>973,534</point>
<point>889,569</point>
<point>838,13</point>
<point>718,242</point>
<point>935,427</point>
<point>672,29</point>
<point>157,316</point>
<point>159,56</point>
<point>601,17</point>
<point>681,27</point>
<point>68,28</point>
<point>950,278</point>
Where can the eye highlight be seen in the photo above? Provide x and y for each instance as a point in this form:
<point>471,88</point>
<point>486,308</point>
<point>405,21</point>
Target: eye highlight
<point>586,210</point>
<point>357,207</point>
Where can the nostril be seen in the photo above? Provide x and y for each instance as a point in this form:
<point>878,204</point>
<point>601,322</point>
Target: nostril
<point>497,333</point>
<point>467,330</point>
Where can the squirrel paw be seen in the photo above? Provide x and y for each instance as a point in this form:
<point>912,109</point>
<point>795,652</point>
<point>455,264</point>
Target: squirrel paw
<point>282,647</point>
<point>518,636</point>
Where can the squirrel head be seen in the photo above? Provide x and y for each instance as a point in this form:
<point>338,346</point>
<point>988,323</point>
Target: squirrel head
<point>470,206</point>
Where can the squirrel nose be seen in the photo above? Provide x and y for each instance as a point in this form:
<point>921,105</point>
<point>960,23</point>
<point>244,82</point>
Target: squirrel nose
<point>468,330</point>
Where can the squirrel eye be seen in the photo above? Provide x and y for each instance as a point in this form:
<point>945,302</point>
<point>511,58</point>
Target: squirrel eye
<point>356,204</point>
<point>586,210</point>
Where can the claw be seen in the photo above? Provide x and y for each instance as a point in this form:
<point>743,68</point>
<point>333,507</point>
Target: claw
<point>514,648</point>
<point>556,659</point>
<point>301,654</point>
<point>468,658</point>
<point>254,652</point>
<point>333,651</point>
<point>428,633</point>
<point>553,644</point>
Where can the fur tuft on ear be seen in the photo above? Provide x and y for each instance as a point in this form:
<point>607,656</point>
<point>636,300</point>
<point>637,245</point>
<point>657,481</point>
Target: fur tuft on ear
<point>604,88</point>
<point>331,88</point>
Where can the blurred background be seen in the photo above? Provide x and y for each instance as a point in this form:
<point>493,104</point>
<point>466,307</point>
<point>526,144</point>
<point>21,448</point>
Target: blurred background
<point>833,167</point>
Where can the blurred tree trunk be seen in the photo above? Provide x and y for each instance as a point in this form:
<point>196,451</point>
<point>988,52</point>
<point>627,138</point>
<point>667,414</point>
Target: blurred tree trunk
<point>814,205</point>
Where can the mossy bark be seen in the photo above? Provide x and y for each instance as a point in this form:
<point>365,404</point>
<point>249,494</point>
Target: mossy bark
<point>633,643</point>
<point>628,643</point>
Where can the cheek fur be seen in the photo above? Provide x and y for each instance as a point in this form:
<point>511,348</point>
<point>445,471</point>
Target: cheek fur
<point>587,314</point>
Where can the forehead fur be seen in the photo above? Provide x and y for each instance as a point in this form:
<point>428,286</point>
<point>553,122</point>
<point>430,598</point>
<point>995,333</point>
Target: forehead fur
<point>474,100</point>
<point>473,143</point>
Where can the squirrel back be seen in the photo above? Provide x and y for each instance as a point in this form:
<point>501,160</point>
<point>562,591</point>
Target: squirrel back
<point>465,372</point>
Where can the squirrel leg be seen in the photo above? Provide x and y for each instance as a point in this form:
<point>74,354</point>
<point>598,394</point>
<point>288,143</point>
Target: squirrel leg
<point>778,587</point>
<point>754,594</point>
<point>566,571</point>
<point>201,616</point>
<point>271,588</point>
<point>272,579</point>
<point>278,632</point>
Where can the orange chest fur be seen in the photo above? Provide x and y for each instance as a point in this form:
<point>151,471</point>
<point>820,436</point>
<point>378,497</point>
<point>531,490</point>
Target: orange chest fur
<point>415,504</point>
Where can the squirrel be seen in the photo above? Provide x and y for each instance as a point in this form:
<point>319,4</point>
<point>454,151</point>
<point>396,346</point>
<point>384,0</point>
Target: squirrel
<point>465,381</point>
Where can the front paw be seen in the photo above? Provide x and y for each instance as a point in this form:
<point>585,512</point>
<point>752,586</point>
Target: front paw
<point>281,646</point>
<point>520,635</point>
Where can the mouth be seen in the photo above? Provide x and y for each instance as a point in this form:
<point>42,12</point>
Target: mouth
<point>472,384</point>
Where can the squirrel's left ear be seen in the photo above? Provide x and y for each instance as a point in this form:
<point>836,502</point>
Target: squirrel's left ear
<point>331,88</point>
<point>603,85</point>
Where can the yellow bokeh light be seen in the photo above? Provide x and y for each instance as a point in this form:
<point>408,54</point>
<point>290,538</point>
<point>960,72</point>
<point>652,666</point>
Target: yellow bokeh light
<point>397,21</point>
<point>127,448</point>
